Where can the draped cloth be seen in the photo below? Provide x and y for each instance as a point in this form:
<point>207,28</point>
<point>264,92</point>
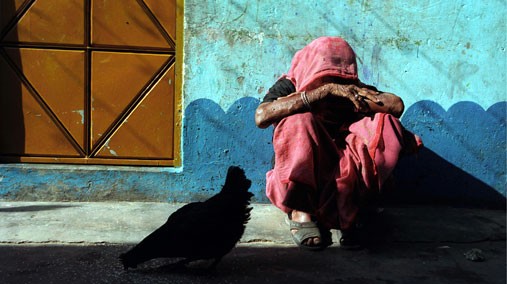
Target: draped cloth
<point>325,56</point>
<point>332,170</point>
<point>312,173</point>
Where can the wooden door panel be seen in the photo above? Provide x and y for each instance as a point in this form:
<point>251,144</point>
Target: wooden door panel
<point>63,91</point>
<point>125,23</point>
<point>50,21</point>
<point>142,137</point>
<point>165,13</point>
<point>9,9</point>
<point>42,131</point>
<point>88,81</point>
<point>117,80</point>
<point>43,135</point>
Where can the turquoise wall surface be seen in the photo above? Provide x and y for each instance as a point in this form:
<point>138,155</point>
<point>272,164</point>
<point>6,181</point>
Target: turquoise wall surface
<point>446,59</point>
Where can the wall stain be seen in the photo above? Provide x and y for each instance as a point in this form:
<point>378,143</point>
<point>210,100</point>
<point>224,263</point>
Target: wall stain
<point>458,73</point>
<point>240,79</point>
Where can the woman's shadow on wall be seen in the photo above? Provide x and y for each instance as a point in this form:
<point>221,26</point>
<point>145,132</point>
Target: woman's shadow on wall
<point>463,161</point>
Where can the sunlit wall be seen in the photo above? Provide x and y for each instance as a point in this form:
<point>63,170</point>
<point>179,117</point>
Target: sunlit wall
<point>446,59</point>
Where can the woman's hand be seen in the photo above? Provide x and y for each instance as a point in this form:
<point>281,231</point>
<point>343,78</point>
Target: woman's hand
<point>358,96</point>
<point>365,99</point>
<point>327,100</point>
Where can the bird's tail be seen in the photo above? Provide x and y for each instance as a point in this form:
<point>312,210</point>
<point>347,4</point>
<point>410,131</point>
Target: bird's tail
<point>128,260</point>
<point>236,180</point>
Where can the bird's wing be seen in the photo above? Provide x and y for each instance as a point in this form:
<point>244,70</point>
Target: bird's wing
<point>188,223</point>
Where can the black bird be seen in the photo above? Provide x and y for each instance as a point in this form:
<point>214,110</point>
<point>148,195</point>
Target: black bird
<point>200,230</point>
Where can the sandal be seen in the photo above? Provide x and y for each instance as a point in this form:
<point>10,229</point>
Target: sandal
<point>304,231</point>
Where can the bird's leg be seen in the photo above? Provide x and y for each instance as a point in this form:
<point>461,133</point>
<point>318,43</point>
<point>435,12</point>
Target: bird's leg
<point>183,263</point>
<point>214,264</point>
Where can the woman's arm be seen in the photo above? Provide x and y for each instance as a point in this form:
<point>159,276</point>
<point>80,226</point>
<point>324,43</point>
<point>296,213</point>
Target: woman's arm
<point>364,100</point>
<point>268,113</point>
<point>388,103</point>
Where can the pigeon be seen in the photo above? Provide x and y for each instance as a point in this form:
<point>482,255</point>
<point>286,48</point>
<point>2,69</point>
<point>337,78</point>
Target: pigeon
<point>205,230</point>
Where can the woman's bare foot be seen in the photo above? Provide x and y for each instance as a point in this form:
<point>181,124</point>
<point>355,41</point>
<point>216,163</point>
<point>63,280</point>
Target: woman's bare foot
<point>300,217</point>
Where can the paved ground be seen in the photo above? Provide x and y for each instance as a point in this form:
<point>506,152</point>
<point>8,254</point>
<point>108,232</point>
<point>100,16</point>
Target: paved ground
<point>80,243</point>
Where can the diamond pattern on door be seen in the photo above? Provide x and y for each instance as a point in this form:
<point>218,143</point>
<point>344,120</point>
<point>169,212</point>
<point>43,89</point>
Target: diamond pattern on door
<point>50,21</point>
<point>42,134</point>
<point>131,72</point>
<point>63,91</point>
<point>88,81</point>
<point>158,106</point>
<point>126,23</point>
<point>165,13</point>
<point>9,9</point>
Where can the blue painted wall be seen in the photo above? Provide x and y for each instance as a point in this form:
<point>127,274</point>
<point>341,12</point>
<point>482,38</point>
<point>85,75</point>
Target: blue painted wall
<point>446,59</point>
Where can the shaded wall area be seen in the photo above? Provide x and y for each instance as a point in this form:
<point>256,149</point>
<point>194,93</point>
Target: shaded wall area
<point>216,139</point>
<point>464,158</point>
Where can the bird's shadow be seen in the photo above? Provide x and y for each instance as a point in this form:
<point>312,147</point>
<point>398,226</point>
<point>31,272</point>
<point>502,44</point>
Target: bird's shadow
<point>202,268</point>
<point>262,257</point>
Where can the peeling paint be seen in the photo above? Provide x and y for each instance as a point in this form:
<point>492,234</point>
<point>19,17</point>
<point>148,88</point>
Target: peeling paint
<point>111,151</point>
<point>81,113</point>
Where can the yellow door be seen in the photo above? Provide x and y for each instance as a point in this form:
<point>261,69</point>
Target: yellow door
<point>89,82</point>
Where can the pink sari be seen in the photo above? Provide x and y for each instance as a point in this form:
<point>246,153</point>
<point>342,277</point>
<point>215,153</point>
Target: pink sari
<point>331,176</point>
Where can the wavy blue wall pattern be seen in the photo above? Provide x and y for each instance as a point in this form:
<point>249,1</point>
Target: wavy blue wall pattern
<point>215,139</point>
<point>463,163</point>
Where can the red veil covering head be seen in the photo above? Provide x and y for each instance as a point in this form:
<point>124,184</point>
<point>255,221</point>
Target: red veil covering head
<point>325,56</point>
